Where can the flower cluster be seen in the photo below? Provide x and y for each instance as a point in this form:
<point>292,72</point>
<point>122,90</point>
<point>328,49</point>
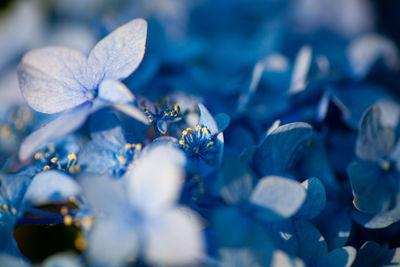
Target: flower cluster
<point>199,133</point>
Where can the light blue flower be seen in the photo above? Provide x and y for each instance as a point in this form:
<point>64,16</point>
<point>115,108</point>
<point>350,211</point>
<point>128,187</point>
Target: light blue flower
<point>137,216</point>
<point>55,79</point>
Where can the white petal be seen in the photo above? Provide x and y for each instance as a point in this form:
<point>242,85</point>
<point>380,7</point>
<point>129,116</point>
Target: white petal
<point>115,92</point>
<point>63,125</point>
<point>174,239</point>
<point>51,186</point>
<point>154,182</point>
<point>119,53</point>
<point>52,79</point>
<point>112,242</point>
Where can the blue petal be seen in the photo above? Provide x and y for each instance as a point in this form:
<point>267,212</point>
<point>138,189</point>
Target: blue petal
<point>378,221</point>
<point>222,121</point>
<point>106,130</point>
<point>206,119</point>
<point>63,125</point>
<point>279,151</point>
<point>340,257</point>
<point>371,188</point>
<point>315,163</point>
<point>281,195</point>
<point>373,253</point>
<point>312,245</point>
<point>335,224</point>
<point>52,79</point>
<point>96,158</point>
<point>119,53</point>
<point>235,181</point>
<point>315,199</point>
<point>284,236</point>
<point>375,141</point>
<point>162,126</point>
<point>49,187</point>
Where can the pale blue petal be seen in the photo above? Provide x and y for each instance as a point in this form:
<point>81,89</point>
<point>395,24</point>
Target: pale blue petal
<point>52,79</point>
<point>279,151</point>
<point>154,182</point>
<point>315,199</point>
<point>62,260</point>
<point>63,125</point>
<point>133,112</point>
<point>115,92</point>
<point>106,130</point>
<point>300,70</point>
<point>366,50</point>
<point>281,195</point>
<point>51,186</point>
<point>281,259</point>
<point>105,195</point>
<point>375,141</point>
<point>119,53</point>
<point>12,261</point>
<point>380,220</point>
<point>112,242</point>
<point>96,158</point>
<point>206,119</point>
<point>162,126</point>
<point>340,257</point>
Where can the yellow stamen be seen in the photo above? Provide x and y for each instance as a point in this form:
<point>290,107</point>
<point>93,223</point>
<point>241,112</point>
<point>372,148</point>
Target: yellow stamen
<point>38,155</point>
<point>181,142</point>
<point>6,131</point>
<point>72,156</point>
<point>198,127</point>
<point>122,160</point>
<point>80,243</point>
<point>46,168</point>
<point>184,132</point>
<point>128,146</point>
<point>64,210</point>
<point>139,146</point>
<point>5,207</point>
<point>54,160</point>
<point>68,220</point>
<point>205,130</point>
<point>189,130</point>
<point>14,211</point>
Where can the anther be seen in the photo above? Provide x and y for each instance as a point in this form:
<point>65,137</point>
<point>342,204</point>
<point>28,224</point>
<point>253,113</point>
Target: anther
<point>72,156</point>
<point>64,210</point>
<point>5,207</point>
<point>54,160</point>
<point>68,220</point>
<point>205,130</point>
<point>46,168</point>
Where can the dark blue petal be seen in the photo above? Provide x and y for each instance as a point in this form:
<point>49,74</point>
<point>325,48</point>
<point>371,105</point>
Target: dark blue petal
<point>280,149</point>
<point>315,199</point>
